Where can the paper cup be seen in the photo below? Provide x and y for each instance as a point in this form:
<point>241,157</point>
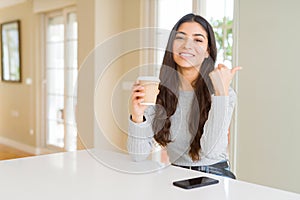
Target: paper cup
<point>150,83</point>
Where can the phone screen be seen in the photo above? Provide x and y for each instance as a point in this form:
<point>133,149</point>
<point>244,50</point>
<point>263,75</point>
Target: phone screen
<point>195,182</point>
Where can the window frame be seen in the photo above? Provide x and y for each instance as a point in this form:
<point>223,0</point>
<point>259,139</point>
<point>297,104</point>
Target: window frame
<point>64,12</point>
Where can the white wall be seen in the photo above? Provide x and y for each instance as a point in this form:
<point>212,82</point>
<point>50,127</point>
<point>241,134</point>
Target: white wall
<point>269,93</point>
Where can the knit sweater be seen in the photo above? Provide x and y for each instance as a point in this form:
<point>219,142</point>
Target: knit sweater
<point>214,140</point>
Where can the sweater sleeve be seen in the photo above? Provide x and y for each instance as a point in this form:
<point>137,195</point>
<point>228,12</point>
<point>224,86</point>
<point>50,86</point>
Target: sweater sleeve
<point>215,133</point>
<point>140,137</point>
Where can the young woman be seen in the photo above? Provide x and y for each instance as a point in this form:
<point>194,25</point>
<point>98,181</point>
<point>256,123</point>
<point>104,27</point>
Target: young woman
<point>194,105</point>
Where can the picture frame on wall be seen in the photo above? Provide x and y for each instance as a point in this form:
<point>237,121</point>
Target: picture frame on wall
<point>11,51</point>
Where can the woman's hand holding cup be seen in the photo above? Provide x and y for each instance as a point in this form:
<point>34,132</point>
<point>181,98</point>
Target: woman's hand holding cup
<point>144,93</point>
<point>137,97</point>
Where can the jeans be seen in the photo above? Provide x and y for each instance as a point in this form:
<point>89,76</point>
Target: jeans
<point>221,169</point>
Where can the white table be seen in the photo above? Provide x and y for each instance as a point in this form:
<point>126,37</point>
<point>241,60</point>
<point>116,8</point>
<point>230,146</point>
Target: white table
<point>80,175</point>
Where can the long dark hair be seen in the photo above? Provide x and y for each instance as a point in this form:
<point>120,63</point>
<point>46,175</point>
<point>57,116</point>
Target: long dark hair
<point>169,90</point>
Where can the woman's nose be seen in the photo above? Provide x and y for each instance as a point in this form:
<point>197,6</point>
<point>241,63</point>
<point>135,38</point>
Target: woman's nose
<point>188,43</point>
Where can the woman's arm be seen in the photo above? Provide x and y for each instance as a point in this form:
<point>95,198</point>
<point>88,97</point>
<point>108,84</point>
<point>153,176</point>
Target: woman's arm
<point>214,140</point>
<point>215,133</point>
<point>140,134</point>
<point>140,137</point>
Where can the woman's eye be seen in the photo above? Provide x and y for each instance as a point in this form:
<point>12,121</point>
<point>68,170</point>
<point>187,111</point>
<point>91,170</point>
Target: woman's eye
<point>179,38</point>
<point>198,40</point>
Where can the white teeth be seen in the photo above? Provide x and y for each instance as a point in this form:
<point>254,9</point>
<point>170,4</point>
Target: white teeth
<point>186,54</point>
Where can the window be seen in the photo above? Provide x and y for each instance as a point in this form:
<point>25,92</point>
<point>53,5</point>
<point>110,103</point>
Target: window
<point>61,74</point>
<point>220,17</point>
<point>175,10</point>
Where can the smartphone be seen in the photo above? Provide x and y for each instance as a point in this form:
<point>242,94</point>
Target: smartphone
<point>195,182</point>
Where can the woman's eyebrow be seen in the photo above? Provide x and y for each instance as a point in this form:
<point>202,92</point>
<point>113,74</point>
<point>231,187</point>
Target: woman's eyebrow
<point>178,32</point>
<point>199,34</point>
<point>196,34</point>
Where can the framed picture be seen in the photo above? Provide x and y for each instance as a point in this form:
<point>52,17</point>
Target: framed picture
<point>10,51</point>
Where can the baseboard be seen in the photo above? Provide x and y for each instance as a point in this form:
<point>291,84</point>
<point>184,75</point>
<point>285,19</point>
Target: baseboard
<point>24,147</point>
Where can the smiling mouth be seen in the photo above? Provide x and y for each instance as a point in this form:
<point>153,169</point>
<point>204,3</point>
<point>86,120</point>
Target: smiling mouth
<point>186,54</point>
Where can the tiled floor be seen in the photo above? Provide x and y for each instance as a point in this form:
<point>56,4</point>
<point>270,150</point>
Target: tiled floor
<point>7,152</point>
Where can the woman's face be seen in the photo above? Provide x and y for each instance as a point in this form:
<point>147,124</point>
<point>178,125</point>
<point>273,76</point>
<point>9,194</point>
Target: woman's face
<point>190,45</point>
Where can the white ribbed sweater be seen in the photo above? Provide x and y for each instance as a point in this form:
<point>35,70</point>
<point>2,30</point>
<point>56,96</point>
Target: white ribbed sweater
<point>214,140</point>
